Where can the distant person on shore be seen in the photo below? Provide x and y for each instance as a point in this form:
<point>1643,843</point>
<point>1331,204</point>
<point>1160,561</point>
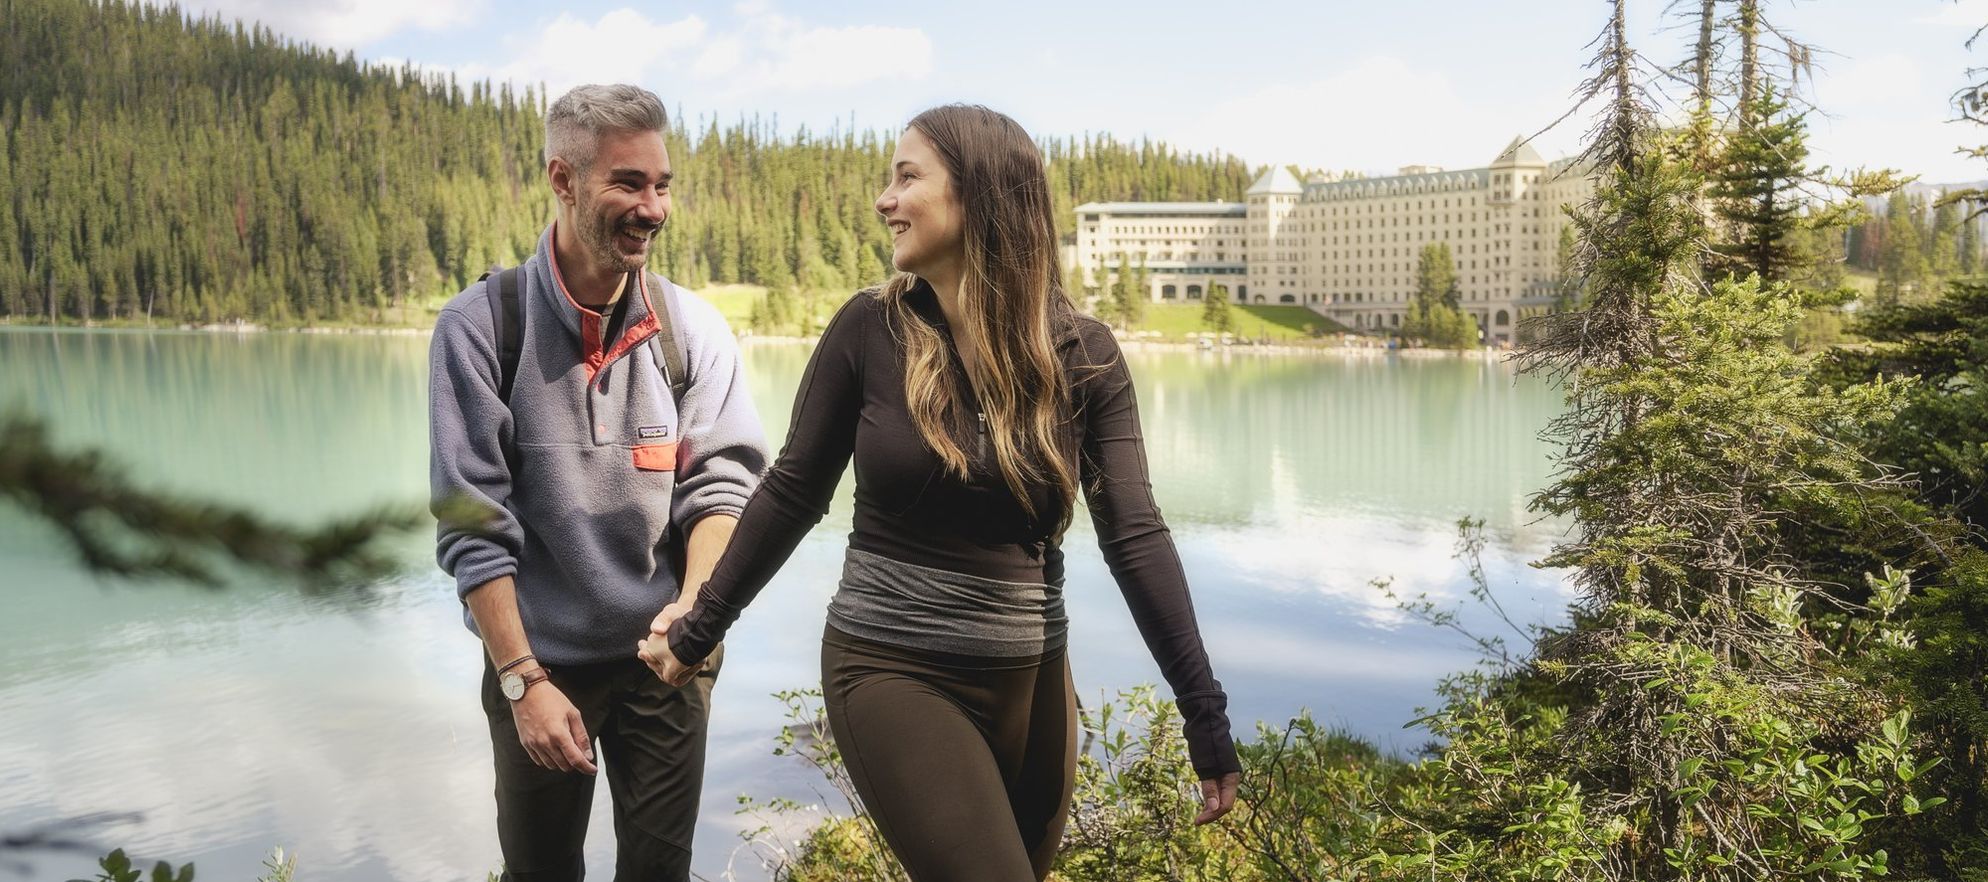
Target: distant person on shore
<point>976,402</point>
<point>592,445</point>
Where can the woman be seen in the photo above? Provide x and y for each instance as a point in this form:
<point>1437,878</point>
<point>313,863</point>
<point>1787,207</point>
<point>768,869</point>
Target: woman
<point>976,401</point>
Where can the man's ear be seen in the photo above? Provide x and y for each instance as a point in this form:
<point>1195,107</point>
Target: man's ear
<point>562,177</point>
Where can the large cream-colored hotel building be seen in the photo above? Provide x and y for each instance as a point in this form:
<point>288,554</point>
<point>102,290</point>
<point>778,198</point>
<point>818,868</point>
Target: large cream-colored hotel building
<point>1348,249</point>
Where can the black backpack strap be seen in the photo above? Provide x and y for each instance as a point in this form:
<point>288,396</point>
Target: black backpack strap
<point>669,350</point>
<point>667,343</point>
<point>507,320</point>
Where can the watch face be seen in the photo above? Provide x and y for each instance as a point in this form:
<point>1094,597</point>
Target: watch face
<point>512,684</point>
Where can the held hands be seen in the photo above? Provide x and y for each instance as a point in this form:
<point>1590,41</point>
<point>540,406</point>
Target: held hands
<point>655,650</point>
<point>1218,795</point>
<point>550,728</point>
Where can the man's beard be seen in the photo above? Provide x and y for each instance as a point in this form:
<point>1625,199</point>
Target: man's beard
<point>599,237</point>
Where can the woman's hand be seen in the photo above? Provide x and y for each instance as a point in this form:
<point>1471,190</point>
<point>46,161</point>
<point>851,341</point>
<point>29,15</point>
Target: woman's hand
<point>655,650</point>
<point>1218,795</point>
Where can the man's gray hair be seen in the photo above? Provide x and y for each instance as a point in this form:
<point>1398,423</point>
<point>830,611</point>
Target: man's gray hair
<point>574,124</point>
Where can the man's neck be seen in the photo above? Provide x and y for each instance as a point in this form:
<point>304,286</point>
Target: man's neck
<point>588,283</point>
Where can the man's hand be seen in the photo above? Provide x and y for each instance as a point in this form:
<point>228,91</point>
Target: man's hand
<point>549,726</point>
<point>676,610</point>
<point>655,651</point>
<point>1218,795</point>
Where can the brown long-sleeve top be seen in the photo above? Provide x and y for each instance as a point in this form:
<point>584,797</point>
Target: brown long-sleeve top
<point>908,508</point>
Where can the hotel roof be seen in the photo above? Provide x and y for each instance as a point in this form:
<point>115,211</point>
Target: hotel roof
<point>1519,152</point>
<point>1276,179</point>
<point>1222,209</point>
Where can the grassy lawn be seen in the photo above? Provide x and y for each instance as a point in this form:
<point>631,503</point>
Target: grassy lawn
<point>1865,281</point>
<point>1277,323</point>
<point>1171,321</point>
<point>733,301</point>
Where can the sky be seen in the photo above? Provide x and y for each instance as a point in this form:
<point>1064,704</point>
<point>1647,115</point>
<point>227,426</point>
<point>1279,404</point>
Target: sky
<point>1368,86</point>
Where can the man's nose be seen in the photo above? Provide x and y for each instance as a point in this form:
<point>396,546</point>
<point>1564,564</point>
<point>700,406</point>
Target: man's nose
<point>650,208</point>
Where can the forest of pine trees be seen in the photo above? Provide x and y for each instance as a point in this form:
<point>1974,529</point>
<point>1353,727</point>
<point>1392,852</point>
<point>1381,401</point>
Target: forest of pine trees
<point>1915,245</point>
<point>160,166</point>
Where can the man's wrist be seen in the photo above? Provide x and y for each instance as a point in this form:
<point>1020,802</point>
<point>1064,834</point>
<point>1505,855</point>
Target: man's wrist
<point>516,683</point>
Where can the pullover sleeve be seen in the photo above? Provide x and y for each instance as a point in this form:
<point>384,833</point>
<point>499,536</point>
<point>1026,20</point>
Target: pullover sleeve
<point>796,491</point>
<point>724,444</point>
<point>477,539</point>
<point>1139,550</point>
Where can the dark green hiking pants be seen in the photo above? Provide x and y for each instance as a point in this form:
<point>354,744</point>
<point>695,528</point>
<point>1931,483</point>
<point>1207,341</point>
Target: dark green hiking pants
<point>965,763</point>
<point>649,739</point>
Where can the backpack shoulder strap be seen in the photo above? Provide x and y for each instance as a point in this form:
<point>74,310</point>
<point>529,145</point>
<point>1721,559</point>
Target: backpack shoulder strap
<point>507,320</point>
<point>668,344</point>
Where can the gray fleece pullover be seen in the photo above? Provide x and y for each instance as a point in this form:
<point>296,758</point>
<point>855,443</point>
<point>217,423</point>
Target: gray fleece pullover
<point>606,464</point>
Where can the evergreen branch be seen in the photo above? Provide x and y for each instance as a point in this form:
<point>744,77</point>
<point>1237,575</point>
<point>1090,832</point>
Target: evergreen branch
<point>119,530</point>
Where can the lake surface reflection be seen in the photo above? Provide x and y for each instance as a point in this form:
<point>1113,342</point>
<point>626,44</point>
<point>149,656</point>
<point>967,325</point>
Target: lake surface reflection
<point>346,729</point>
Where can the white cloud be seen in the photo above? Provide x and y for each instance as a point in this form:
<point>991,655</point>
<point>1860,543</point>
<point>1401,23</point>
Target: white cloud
<point>344,24</point>
<point>1888,110</point>
<point>1374,116</point>
<point>1873,82</point>
<point>795,57</point>
<point>720,57</point>
<point>622,46</point>
<point>1342,556</point>
<point>763,53</point>
<point>1966,13</point>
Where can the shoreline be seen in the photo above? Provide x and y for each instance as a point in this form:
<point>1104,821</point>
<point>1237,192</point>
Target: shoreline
<point>1129,344</point>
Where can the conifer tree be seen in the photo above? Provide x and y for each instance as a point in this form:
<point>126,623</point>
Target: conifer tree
<point>1754,190</point>
<point>266,180</point>
<point>1901,257</point>
<point>1132,298</point>
<point>1111,305</point>
<point>1943,242</point>
<point>1215,310</point>
<point>1969,261</point>
<point>1434,312</point>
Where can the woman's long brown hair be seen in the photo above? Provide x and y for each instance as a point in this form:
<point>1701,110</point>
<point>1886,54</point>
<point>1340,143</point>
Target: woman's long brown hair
<point>1010,295</point>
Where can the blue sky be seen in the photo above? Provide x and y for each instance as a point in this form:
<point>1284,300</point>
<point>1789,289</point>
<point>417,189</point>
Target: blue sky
<point>1369,85</point>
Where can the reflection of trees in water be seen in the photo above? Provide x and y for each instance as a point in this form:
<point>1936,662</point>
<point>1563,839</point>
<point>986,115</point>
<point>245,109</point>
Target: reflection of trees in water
<point>331,423</point>
<point>773,373</point>
<point>1232,439</point>
<point>327,423</point>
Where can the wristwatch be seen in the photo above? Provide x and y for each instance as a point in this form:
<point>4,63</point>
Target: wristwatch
<point>514,684</point>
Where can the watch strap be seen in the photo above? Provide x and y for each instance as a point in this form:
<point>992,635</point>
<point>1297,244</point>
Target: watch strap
<point>535,675</point>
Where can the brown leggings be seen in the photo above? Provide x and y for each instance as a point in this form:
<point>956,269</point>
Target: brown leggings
<point>965,763</point>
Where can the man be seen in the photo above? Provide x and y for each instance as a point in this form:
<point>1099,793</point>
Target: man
<point>575,480</point>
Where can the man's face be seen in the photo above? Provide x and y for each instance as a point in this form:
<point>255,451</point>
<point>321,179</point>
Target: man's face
<point>622,200</point>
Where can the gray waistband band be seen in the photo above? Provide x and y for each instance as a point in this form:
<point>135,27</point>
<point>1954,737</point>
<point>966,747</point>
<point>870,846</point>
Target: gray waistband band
<point>908,605</point>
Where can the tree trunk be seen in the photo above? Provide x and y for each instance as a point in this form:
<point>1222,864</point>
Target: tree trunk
<point>1749,84</point>
<point>1702,87</point>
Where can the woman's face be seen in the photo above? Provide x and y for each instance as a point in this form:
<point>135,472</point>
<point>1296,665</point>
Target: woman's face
<point>926,224</point>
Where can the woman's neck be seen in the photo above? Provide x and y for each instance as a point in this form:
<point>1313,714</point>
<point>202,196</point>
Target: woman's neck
<point>945,289</point>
